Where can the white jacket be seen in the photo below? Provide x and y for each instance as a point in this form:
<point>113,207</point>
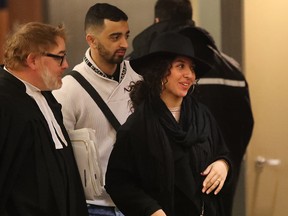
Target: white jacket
<point>80,111</point>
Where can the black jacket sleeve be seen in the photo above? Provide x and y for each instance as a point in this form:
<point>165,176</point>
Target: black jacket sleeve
<point>122,181</point>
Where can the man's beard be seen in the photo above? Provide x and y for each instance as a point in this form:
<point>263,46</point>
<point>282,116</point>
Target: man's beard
<point>104,53</point>
<point>51,82</point>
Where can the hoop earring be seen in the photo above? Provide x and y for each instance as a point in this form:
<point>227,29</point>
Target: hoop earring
<point>194,86</point>
<point>162,85</point>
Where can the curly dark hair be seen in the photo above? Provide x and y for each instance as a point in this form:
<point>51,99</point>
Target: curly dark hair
<point>154,76</point>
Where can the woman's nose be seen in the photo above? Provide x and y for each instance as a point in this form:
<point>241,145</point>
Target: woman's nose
<point>190,73</point>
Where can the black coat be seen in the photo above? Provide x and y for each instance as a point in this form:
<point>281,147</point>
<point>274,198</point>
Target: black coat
<point>230,104</point>
<point>223,89</point>
<point>156,162</point>
<point>35,178</point>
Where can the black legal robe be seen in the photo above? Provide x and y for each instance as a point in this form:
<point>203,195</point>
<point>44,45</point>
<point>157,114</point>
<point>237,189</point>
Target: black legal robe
<point>35,177</point>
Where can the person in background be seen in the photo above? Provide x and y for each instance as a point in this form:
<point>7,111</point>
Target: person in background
<point>107,32</point>
<point>39,175</point>
<point>169,15</point>
<point>169,157</point>
<point>223,89</point>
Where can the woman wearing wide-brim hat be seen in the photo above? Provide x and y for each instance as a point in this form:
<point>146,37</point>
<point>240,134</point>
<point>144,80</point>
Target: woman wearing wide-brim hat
<point>169,157</point>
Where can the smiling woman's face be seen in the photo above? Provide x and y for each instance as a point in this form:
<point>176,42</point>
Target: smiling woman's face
<point>181,77</point>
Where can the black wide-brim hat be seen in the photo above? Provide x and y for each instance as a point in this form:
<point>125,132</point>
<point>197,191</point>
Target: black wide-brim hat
<point>204,45</point>
<point>170,43</point>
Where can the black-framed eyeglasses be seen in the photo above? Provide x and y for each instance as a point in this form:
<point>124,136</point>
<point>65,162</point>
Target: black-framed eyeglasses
<point>59,57</point>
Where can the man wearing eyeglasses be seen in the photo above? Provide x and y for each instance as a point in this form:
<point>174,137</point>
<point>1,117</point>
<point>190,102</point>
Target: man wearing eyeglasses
<point>39,175</point>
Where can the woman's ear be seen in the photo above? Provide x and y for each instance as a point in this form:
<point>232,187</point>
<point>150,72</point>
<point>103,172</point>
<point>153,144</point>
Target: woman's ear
<point>156,20</point>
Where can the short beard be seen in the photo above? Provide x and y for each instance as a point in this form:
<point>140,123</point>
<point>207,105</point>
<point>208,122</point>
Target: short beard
<point>50,82</point>
<point>106,55</point>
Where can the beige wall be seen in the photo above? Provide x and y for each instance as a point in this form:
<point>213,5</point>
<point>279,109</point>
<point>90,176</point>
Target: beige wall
<point>265,57</point>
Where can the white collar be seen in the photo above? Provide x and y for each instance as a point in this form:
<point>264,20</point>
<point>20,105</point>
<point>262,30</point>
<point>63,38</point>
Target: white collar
<point>54,127</point>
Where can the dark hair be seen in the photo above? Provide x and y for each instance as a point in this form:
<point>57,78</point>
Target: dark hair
<point>179,10</point>
<point>151,85</point>
<point>97,13</point>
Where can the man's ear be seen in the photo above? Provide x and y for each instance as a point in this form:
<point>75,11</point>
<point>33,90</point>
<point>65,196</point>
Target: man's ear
<point>156,20</point>
<point>31,60</point>
<point>91,40</point>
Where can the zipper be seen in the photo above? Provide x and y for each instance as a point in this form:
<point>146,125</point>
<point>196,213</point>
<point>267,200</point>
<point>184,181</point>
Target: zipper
<point>202,209</point>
